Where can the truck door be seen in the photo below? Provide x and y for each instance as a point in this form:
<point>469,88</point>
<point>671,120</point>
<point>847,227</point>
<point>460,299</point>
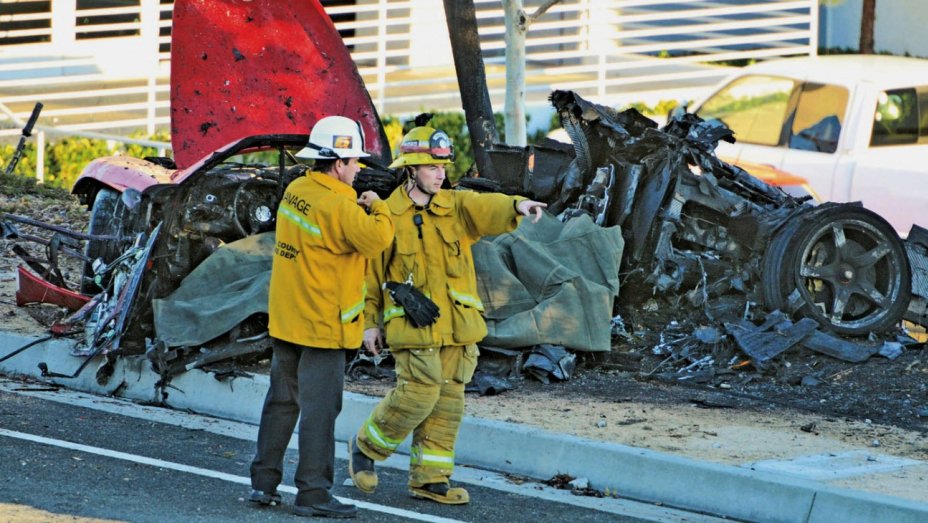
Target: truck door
<point>812,146</point>
<point>891,177</point>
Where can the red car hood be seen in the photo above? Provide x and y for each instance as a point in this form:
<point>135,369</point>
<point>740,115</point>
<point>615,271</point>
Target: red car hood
<point>247,67</point>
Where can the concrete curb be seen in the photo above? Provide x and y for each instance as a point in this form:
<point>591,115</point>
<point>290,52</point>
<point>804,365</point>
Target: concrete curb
<point>642,474</point>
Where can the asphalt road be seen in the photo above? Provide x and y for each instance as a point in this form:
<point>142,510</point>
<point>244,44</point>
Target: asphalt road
<point>74,455</point>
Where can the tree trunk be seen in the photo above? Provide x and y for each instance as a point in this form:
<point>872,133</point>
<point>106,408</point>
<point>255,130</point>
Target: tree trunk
<point>472,81</point>
<point>514,110</point>
<point>867,19</point>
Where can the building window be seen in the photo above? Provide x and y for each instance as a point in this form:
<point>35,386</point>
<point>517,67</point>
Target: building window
<point>28,22</point>
<point>107,19</point>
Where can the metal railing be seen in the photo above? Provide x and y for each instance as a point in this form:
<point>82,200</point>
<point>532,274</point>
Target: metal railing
<point>604,49</point>
<point>40,132</point>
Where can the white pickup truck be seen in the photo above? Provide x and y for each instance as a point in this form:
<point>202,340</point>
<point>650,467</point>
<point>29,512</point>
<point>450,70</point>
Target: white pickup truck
<point>841,128</point>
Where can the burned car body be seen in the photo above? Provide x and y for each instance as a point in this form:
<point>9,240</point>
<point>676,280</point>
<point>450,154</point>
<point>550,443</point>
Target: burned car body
<point>696,225</point>
<point>222,201</point>
<point>241,104</point>
<point>692,224</point>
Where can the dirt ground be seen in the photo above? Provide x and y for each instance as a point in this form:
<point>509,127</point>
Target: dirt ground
<point>802,404</point>
<point>64,211</point>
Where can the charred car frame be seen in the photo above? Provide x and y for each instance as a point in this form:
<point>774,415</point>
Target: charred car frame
<point>693,225</point>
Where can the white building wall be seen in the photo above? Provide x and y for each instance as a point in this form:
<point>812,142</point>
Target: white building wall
<point>429,44</point>
<point>610,51</point>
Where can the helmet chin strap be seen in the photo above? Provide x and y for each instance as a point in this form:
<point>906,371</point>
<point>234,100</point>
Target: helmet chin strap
<point>417,185</point>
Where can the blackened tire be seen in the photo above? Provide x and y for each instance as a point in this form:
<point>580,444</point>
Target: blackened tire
<point>775,257</point>
<point>105,219</point>
<point>843,266</point>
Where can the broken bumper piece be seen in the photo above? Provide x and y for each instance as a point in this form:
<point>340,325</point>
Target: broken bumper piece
<point>33,289</point>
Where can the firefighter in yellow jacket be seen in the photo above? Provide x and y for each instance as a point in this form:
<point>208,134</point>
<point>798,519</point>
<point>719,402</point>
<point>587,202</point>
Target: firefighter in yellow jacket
<point>429,267</point>
<point>323,240</point>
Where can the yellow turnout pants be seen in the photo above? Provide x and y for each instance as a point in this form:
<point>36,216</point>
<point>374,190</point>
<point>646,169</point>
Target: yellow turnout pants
<point>428,401</point>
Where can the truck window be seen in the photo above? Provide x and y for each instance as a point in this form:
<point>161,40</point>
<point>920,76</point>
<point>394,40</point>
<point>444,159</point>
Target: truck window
<point>754,107</point>
<point>896,121</point>
<point>816,123</point>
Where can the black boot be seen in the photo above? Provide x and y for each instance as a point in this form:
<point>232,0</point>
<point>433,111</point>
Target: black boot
<point>332,508</point>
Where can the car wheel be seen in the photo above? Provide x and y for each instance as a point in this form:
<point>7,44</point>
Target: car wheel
<point>105,219</point>
<point>843,266</point>
<point>773,262</point>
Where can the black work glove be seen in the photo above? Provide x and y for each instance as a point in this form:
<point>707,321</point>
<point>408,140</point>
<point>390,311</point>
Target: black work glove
<point>420,310</point>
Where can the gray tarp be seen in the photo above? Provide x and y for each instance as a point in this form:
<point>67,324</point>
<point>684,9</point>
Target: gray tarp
<point>229,286</point>
<point>550,282</point>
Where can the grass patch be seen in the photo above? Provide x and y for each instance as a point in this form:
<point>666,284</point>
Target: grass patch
<point>17,185</point>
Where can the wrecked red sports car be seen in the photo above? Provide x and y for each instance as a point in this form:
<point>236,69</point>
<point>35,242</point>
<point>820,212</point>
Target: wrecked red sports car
<point>242,102</point>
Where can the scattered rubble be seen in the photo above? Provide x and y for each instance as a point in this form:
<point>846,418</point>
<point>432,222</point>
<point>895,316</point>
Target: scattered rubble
<point>576,486</point>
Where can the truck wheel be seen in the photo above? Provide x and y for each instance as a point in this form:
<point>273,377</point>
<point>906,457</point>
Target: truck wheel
<point>105,219</point>
<point>843,266</point>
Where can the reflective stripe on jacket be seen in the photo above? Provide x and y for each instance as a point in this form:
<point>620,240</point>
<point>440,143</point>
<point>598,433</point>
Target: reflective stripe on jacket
<point>322,244</point>
<point>440,264</point>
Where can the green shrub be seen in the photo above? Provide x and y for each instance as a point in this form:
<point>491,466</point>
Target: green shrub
<point>393,128</point>
<point>455,124</point>
<point>661,108</point>
<point>141,151</point>
<point>26,165</point>
<point>66,158</point>
<point>22,180</point>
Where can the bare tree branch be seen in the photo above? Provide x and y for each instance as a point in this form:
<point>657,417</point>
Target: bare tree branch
<point>542,9</point>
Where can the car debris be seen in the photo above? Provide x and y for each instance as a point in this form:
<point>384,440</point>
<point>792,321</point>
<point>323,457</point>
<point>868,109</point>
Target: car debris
<point>776,335</point>
<point>235,126</point>
<point>732,248</point>
<point>916,247</point>
<point>673,220</point>
<point>696,223</point>
<point>618,329</point>
<point>576,486</point>
<point>486,384</point>
<point>548,363</point>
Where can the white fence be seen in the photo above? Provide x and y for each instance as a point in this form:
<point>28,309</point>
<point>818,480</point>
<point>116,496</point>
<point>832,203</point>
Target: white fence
<point>102,65</point>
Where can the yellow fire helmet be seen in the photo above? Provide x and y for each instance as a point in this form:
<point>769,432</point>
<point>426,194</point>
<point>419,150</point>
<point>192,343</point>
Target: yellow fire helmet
<point>424,146</point>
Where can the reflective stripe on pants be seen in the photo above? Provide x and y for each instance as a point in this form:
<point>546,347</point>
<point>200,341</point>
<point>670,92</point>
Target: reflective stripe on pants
<point>428,401</point>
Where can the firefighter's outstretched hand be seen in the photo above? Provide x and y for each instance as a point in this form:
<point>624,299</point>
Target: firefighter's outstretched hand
<point>529,207</point>
<point>373,340</point>
<point>367,198</point>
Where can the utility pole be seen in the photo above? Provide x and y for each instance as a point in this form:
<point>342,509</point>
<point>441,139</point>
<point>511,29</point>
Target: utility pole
<point>472,81</point>
<point>867,20</point>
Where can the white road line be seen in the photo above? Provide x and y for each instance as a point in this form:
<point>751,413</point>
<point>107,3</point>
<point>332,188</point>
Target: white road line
<point>462,474</point>
<point>241,480</point>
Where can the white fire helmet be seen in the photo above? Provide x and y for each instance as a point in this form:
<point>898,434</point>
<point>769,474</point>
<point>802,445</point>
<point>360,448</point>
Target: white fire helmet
<point>335,137</point>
